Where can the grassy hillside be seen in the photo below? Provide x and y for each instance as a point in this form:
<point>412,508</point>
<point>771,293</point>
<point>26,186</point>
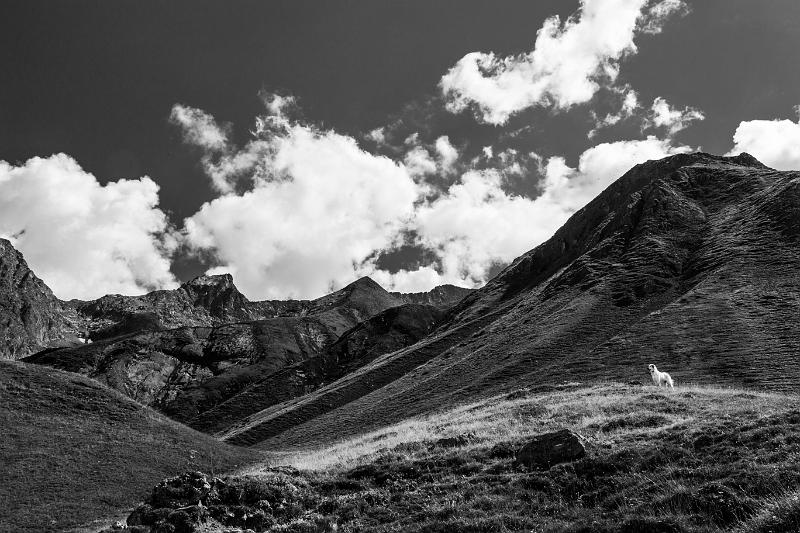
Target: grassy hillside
<point>72,450</point>
<point>691,262</point>
<point>693,459</point>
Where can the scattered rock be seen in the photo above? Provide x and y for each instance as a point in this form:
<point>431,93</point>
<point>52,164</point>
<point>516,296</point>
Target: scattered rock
<point>550,449</point>
<point>454,442</point>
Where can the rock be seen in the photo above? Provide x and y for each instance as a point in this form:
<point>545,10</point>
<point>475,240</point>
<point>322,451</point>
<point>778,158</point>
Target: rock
<point>550,449</point>
<point>454,442</point>
<point>443,296</point>
<point>31,317</point>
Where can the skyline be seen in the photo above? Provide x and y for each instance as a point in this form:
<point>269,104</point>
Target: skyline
<point>300,176</point>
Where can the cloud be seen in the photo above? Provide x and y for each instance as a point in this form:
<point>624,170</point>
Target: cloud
<point>776,143</point>
<point>654,19</point>
<point>447,153</point>
<point>318,211</point>
<point>419,162</point>
<point>663,115</point>
<point>82,238</point>
<point>222,161</point>
<point>567,66</point>
<point>199,128</point>
<point>478,224</point>
<point>629,106</point>
<point>598,167</point>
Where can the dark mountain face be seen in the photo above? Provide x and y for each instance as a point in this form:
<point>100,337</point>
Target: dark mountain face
<point>691,263</point>
<point>443,296</point>
<point>31,317</point>
<point>188,350</point>
<point>384,333</point>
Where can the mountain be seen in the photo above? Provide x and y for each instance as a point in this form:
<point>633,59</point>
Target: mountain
<point>73,450</point>
<point>386,332</point>
<point>31,317</point>
<point>443,296</point>
<point>187,350</point>
<point>691,262</point>
<point>186,370</point>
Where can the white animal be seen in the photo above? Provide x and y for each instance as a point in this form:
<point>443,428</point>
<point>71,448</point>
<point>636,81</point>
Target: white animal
<point>660,378</point>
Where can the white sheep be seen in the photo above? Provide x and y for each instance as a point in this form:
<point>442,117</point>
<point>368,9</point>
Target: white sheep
<point>660,378</point>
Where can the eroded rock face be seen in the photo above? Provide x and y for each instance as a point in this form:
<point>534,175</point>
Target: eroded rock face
<point>549,449</point>
<point>31,317</point>
<point>386,332</point>
<point>443,296</point>
<point>195,501</point>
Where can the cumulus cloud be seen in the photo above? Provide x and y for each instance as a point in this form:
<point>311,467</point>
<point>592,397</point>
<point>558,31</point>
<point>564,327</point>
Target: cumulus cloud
<point>663,115</point>
<point>570,61</point>
<point>82,238</point>
<point>318,211</point>
<point>598,167</point>
<point>447,153</point>
<point>222,161</point>
<point>776,143</point>
<point>199,128</point>
<point>478,224</point>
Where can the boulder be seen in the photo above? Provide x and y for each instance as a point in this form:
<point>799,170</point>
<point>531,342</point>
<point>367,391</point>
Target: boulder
<point>454,442</point>
<point>549,449</point>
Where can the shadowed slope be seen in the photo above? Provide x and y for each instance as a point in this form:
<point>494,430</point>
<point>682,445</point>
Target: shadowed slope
<point>186,371</point>
<point>691,262</point>
<point>73,450</point>
<point>386,332</point>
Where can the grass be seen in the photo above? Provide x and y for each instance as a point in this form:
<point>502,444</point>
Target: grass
<point>72,451</point>
<point>693,459</point>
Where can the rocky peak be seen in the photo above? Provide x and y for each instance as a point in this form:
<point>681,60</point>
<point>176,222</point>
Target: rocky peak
<point>219,295</point>
<point>441,296</point>
<point>214,282</point>
<point>31,317</point>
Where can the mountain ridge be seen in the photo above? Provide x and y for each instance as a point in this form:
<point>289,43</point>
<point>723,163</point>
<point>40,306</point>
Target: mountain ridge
<point>557,312</point>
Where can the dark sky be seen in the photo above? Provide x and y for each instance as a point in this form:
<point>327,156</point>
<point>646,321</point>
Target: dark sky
<point>97,79</point>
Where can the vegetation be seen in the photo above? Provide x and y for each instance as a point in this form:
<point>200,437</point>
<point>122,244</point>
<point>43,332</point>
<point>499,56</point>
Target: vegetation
<point>692,459</point>
<point>72,450</point>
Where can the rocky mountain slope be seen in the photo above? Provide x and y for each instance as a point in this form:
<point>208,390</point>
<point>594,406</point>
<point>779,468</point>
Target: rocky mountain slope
<point>187,350</point>
<point>31,317</point>
<point>691,262</point>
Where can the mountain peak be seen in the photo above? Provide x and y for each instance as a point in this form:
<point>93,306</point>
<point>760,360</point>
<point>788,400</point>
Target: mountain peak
<point>366,283</point>
<point>211,280</point>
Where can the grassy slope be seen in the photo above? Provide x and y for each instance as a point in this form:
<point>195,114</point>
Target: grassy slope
<point>693,459</point>
<point>72,450</point>
<point>693,269</point>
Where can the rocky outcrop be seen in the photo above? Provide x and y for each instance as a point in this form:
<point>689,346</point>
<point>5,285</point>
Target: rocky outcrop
<point>187,370</point>
<point>195,501</point>
<point>31,317</point>
<point>443,296</point>
<point>548,449</point>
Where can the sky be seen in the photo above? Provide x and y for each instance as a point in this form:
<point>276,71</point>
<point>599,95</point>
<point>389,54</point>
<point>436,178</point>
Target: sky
<point>300,145</point>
